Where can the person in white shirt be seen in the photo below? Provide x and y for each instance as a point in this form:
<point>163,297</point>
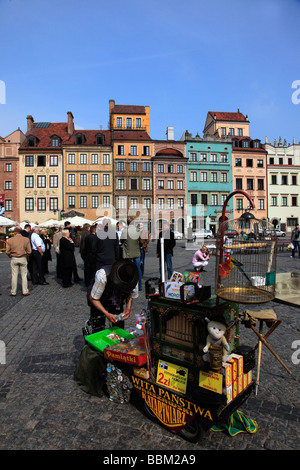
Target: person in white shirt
<point>38,249</point>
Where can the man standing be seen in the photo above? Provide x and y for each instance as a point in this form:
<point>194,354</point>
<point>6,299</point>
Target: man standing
<point>38,249</point>
<point>295,241</point>
<point>18,249</point>
<point>71,230</point>
<point>169,244</point>
<point>130,240</point>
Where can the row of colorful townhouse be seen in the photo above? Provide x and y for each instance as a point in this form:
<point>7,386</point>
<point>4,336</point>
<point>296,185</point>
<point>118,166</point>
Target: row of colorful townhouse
<point>54,168</point>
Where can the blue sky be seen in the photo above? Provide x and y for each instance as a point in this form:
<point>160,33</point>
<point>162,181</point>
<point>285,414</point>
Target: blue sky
<point>182,59</point>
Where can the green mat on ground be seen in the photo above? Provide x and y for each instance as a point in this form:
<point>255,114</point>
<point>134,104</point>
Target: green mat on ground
<point>237,423</point>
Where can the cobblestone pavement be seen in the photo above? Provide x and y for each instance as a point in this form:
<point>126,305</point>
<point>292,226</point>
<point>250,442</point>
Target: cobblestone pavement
<point>42,408</point>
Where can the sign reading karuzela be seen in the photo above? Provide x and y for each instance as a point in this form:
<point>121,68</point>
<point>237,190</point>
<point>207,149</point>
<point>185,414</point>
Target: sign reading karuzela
<point>172,410</point>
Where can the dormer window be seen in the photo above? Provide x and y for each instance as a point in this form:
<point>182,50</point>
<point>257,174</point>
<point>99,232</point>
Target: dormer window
<point>245,143</point>
<point>55,141</point>
<point>32,141</point>
<point>100,139</point>
<point>79,139</point>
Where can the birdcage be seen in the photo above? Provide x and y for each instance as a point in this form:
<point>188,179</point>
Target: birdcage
<point>246,260</point>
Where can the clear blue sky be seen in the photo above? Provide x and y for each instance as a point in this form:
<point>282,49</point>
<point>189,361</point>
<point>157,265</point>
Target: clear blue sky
<point>182,59</point>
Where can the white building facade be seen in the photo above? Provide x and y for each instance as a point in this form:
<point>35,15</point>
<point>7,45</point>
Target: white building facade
<point>283,176</point>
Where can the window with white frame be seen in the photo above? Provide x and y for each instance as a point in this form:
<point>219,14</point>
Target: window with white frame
<point>161,203</point>
<point>193,176</point>
<point>161,184</point>
<point>133,166</point>
<point>71,159</point>
<point>203,176</point>
<point>179,184</point>
<point>180,202</point>
<point>41,203</point>
<point>71,179</point>
<point>53,160</point>
<point>274,201</point>
<point>53,203</point>
<point>28,181</point>
<point>133,149</point>
<point>223,130</point>
<point>106,159</point>
<point>119,121</point>
<point>138,122</point>
<point>120,149</point>
<point>203,157</point>
<point>106,201</point>
<point>8,166</point>
<point>147,203</point>
<point>8,185</point>
<point>284,201</point>
<point>214,177</point>
<point>53,181</point>
<point>41,181</point>
<point>95,202</point>
<point>133,203</point>
<point>170,203</point>
<point>146,184</point>
<point>106,179</point>
<point>71,201</point>
<point>94,179</point>
<point>223,198</point>
<point>8,205</point>
<point>83,202</point>
<point>129,122</point>
<point>94,158</point>
<point>121,166</point>
<point>83,179</point>
<point>83,159</point>
<point>224,177</point>
<point>146,166</point>
<point>146,150</point>
<point>170,184</point>
<point>213,158</point>
<point>120,183</point>
<point>214,199</point>
<point>29,160</point>
<point>261,204</point>
<point>121,203</point>
<point>179,168</point>
<point>224,158</point>
<point>29,204</point>
<point>193,157</point>
<point>160,168</point>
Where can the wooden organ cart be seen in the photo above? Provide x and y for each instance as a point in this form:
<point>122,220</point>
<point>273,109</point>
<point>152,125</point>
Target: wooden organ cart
<point>183,394</point>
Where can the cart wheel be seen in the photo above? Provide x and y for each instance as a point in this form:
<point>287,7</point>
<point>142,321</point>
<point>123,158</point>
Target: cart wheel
<point>193,431</point>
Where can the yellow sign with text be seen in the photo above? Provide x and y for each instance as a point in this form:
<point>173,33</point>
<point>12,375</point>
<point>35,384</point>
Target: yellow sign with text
<point>211,381</point>
<point>172,376</point>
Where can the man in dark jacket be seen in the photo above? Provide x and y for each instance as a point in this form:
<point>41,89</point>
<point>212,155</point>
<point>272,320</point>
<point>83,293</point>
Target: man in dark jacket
<point>107,247</point>
<point>169,244</point>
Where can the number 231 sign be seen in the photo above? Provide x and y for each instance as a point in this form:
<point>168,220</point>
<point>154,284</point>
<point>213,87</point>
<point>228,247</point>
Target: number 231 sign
<point>172,376</point>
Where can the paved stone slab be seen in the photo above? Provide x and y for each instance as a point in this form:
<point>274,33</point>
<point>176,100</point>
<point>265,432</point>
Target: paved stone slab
<point>41,407</point>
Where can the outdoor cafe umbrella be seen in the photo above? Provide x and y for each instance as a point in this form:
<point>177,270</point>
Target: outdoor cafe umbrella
<point>5,222</point>
<point>50,223</point>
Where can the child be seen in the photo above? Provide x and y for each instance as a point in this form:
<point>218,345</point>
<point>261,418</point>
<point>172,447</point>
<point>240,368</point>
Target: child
<point>201,258</point>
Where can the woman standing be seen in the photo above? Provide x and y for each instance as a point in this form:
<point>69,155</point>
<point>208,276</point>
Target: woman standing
<point>67,249</point>
<point>47,254</point>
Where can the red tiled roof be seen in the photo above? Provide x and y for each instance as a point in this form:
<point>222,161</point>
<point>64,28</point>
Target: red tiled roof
<point>43,134</point>
<point>131,135</point>
<point>128,109</point>
<point>169,152</point>
<point>90,136</point>
<point>224,116</point>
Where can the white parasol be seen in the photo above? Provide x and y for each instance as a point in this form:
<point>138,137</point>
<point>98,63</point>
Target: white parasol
<point>5,222</point>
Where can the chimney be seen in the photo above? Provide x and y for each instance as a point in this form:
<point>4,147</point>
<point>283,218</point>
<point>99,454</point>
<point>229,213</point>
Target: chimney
<point>30,122</point>
<point>170,133</point>
<point>111,105</point>
<point>70,123</point>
